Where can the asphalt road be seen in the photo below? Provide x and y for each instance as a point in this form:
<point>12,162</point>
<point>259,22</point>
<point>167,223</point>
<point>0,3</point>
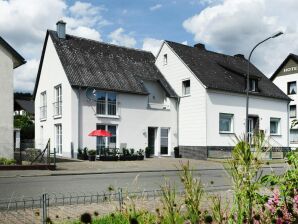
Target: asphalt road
<point>18,187</point>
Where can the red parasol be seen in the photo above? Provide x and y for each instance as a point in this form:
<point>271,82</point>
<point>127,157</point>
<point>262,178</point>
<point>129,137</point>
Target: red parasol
<point>102,133</point>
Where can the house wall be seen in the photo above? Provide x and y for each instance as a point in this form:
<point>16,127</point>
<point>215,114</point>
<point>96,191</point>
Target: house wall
<point>282,80</point>
<point>132,123</point>
<point>52,74</point>
<point>192,108</point>
<point>6,98</point>
<point>264,108</point>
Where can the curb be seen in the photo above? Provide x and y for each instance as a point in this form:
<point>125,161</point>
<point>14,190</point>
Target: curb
<point>117,172</point>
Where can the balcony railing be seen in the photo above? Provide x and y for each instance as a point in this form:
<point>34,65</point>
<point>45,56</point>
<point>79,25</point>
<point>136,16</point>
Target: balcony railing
<point>57,108</point>
<point>43,112</point>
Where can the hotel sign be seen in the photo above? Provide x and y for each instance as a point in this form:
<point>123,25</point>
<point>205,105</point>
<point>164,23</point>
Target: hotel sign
<point>291,69</point>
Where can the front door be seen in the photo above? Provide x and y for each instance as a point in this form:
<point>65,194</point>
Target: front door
<point>151,138</point>
<point>250,130</point>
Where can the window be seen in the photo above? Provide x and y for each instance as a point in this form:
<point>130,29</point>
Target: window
<point>293,135</point>
<point>274,126</point>
<point>58,138</point>
<point>253,85</point>
<point>292,111</point>
<point>58,100</point>
<point>106,142</point>
<point>43,105</point>
<point>292,89</point>
<point>165,59</point>
<point>106,103</point>
<point>164,141</point>
<point>226,123</point>
<point>186,87</point>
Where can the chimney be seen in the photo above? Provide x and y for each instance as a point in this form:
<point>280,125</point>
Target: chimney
<point>239,56</point>
<point>61,29</point>
<point>200,46</point>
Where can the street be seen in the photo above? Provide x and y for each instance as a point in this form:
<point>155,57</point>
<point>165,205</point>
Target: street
<point>18,187</point>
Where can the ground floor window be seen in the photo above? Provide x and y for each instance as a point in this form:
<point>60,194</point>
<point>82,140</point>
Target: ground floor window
<point>274,126</point>
<point>58,138</point>
<point>225,123</point>
<point>164,140</point>
<point>294,135</point>
<point>106,142</point>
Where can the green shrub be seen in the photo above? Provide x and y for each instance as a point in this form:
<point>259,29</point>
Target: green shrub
<point>91,152</point>
<point>4,161</point>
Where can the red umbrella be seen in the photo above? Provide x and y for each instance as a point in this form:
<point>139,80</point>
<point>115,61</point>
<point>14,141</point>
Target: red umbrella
<point>102,133</point>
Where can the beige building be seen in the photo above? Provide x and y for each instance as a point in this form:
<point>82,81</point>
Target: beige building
<point>9,60</point>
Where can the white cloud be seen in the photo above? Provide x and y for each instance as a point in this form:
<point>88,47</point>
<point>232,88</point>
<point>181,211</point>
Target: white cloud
<point>153,45</point>
<point>23,23</point>
<point>118,37</point>
<point>236,26</point>
<point>184,42</point>
<point>24,76</point>
<point>155,7</point>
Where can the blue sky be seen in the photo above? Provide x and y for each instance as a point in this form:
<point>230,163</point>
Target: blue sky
<point>148,18</point>
<point>225,26</point>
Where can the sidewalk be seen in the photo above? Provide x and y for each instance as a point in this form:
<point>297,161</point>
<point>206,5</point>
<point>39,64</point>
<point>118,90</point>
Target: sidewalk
<point>103,167</point>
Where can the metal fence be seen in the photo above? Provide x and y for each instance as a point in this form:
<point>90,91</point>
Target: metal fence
<point>68,207</point>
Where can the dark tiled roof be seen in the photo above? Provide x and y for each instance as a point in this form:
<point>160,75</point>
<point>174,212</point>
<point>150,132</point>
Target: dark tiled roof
<point>20,60</point>
<point>224,72</point>
<point>89,63</point>
<point>290,56</point>
<point>27,105</point>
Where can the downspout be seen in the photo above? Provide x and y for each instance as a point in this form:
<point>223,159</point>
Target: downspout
<point>178,104</point>
<point>288,127</point>
<point>79,117</point>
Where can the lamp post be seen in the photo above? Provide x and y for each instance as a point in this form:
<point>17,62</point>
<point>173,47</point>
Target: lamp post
<point>247,81</point>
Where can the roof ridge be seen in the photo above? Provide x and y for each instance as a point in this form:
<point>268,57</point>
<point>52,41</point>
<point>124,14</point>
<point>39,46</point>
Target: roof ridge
<point>214,52</point>
<point>105,43</point>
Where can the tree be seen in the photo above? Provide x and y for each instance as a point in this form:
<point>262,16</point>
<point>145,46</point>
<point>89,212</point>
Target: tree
<point>26,125</point>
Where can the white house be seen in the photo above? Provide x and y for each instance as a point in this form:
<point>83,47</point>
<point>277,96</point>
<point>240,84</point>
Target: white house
<point>9,60</point>
<point>212,101</point>
<point>83,85</point>
<point>286,78</point>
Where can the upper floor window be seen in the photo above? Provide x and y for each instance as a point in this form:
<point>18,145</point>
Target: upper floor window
<point>165,59</point>
<point>58,100</point>
<point>292,88</point>
<point>292,111</point>
<point>106,103</point>
<point>253,85</point>
<point>226,123</point>
<point>274,126</point>
<point>43,105</point>
<point>185,87</point>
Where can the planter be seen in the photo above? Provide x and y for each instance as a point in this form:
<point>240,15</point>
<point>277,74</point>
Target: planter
<point>92,157</point>
<point>140,157</point>
<point>176,152</point>
<point>108,158</point>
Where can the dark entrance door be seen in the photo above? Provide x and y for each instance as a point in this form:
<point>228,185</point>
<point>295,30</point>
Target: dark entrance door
<point>151,138</point>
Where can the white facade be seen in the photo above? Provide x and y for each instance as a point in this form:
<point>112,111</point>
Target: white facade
<point>199,111</point>
<point>286,75</point>
<point>135,114</point>
<point>7,63</point>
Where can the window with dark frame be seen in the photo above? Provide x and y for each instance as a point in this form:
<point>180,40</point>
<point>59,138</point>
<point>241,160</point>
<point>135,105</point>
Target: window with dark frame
<point>292,111</point>
<point>292,88</point>
<point>253,85</point>
<point>186,87</point>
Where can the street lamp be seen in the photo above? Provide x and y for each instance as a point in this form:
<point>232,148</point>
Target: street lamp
<point>247,81</point>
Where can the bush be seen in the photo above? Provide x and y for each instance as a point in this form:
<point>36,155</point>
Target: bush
<point>92,152</point>
<point>4,161</point>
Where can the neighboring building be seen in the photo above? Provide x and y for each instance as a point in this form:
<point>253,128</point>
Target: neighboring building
<point>9,60</point>
<point>134,101</point>
<point>24,107</point>
<point>212,104</point>
<point>286,78</point>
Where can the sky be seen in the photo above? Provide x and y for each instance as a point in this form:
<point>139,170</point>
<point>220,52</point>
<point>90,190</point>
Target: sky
<point>225,26</point>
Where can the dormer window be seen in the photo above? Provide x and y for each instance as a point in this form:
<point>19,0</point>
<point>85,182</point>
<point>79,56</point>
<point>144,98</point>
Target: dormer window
<point>253,85</point>
<point>165,59</point>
